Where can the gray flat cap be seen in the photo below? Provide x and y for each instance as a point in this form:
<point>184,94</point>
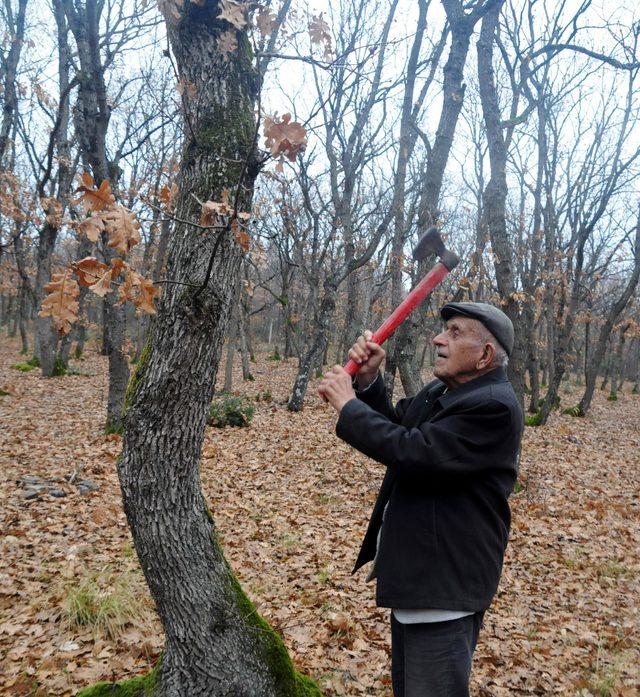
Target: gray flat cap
<point>493,319</point>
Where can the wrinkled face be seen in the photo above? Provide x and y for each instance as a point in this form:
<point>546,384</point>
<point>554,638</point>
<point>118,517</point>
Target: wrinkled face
<point>459,349</point>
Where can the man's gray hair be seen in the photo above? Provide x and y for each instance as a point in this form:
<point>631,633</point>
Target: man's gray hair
<point>500,358</point>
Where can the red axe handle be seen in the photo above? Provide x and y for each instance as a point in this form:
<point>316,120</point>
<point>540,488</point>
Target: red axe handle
<point>404,309</point>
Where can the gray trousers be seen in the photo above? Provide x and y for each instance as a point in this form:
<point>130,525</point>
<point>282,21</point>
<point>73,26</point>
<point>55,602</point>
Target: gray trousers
<point>433,659</point>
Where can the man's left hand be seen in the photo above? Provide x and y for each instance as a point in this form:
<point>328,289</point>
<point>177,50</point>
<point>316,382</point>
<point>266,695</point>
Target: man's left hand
<point>336,387</point>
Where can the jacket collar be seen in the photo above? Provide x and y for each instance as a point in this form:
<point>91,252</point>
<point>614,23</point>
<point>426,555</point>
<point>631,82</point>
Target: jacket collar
<point>495,376</point>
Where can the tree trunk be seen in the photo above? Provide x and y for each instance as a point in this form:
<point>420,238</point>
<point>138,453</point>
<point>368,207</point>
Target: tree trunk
<point>46,339</point>
<point>597,355</point>
<point>94,114</point>
<point>24,317</point>
<point>617,369</point>
<point>495,196</point>
<point>453,89</point>
<point>216,643</point>
<point>314,354</point>
<point>232,336</point>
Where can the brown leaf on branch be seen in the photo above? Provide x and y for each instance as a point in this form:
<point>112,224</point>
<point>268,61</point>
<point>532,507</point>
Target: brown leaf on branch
<point>91,227</point>
<point>138,289</point>
<point>319,34</point>
<point>168,195</point>
<point>89,270</point>
<point>241,236</point>
<point>266,21</point>
<point>284,137</point>
<point>94,199</point>
<point>103,285</point>
<point>234,13</point>
<point>126,292</point>
<point>122,228</point>
<point>213,210</point>
<point>145,299</point>
<point>61,304</point>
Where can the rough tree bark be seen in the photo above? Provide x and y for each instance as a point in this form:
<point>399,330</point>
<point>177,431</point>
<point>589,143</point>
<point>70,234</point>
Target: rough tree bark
<point>216,643</point>
<point>495,195</point>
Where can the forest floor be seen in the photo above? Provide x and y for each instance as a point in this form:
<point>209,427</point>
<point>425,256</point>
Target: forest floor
<point>291,502</point>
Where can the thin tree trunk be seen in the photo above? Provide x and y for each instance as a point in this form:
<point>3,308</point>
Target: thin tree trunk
<point>231,352</point>
<point>495,196</point>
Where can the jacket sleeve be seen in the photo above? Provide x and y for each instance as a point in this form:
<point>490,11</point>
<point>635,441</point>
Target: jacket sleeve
<point>473,438</point>
<point>376,397</point>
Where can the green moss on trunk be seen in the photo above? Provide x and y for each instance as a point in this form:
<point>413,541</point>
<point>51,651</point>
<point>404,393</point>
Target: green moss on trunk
<point>136,376</point>
<point>289,682</point>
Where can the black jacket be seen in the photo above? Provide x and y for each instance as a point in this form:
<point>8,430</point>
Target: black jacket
<point>451,462</point>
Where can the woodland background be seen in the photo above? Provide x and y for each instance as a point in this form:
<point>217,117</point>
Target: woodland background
<point>218,197</point>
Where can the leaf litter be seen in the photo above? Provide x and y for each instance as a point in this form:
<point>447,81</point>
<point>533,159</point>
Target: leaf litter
<point>291,503</point>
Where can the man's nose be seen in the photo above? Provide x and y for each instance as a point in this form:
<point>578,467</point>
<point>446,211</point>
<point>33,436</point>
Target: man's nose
<point>439,339</point>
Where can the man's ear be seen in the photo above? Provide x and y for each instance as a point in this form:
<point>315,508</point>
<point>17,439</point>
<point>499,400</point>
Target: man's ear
<point>488,354</point>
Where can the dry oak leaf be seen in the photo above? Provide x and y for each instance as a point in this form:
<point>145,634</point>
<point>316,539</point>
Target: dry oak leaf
<point>91,227</point>
<point>234,13</point>
<point>89,270</point>
<point>241,236</point>
<point>103,285</point>
<point>227,44</point>
<point>61,304</point>
<point>319,34</point>
<point>212,210</point>
<point>284,137</point>
<point>168,195</point>
<point>122,228</point>
<point>127,291</point>
<point>144,298</point>
<point>266,21</point>
<point>92,198</point>
<point>318,30</point>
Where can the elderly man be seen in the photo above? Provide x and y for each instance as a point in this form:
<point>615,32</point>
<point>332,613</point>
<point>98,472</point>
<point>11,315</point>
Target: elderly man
<point>440,525</point>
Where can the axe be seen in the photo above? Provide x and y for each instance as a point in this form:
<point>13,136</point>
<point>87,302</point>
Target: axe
<point>430,243</point>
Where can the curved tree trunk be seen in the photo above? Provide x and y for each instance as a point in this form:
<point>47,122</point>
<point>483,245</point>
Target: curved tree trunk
<point>216,644</point>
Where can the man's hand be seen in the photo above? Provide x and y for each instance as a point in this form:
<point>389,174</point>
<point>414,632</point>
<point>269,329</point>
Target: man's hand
<point>368,355</point>
<point>336,388</point>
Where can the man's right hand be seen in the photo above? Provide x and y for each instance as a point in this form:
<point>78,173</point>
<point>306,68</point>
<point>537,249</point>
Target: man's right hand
<point>368,355</point>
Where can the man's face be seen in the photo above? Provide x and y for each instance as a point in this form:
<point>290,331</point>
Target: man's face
<point>459,348</point>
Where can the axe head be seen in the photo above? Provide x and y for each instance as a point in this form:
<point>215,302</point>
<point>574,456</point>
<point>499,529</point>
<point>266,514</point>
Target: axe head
<point>431,243</point>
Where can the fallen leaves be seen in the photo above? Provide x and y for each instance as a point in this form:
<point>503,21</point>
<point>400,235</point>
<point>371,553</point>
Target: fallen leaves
<point>291,504</point>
